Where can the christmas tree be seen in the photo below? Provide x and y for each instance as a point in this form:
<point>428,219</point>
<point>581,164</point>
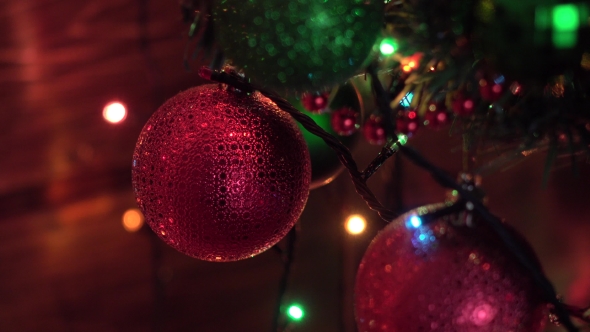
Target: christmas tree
<point>510,77</point>
<point>340,165</point>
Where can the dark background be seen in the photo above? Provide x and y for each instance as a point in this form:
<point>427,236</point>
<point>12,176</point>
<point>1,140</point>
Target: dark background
<point>66,262</point>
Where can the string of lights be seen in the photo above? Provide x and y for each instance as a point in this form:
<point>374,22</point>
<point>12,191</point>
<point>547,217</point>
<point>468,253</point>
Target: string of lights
<point>472,203</point>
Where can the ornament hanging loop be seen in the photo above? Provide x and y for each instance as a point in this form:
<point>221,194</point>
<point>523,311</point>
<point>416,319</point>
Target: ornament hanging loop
<point>472,184</point>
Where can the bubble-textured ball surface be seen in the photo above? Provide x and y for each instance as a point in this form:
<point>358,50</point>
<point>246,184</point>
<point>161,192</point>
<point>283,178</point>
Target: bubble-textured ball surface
<point>299,45</point>
<point>438,277</point>
<point>220,175</point>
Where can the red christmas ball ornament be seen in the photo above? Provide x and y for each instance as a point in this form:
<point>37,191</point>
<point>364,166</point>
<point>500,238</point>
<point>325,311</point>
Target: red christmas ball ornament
<point>407,122</point>
<point>315,102</point>
<point>442,276</point>
<point>344,121</point>
<point>436,116</point>
<point>220,175</point>
<point>463,106</point>
<point>490,91</point>
<point>374,130</point>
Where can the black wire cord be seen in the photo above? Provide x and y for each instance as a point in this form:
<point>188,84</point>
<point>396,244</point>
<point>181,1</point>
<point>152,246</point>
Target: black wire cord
<point>287,256</point>
<point>341,150</point>
<point>359,179</point>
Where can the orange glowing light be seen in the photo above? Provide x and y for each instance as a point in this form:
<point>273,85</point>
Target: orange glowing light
<point>355,224</point>
<point>407,69</point>
<point>412,64</point>
<point>114,112</point>
<point>133,220</point>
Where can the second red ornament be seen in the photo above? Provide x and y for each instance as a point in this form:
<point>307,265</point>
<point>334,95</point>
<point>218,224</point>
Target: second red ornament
<point>443,276</point>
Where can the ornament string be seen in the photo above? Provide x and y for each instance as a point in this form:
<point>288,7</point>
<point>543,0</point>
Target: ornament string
<point>438,174</point>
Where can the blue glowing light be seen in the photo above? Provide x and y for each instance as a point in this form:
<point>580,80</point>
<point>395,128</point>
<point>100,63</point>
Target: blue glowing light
<point>423,239</point>
<point>407,100</point>
<point>415,221</point>
<point>499,80</point>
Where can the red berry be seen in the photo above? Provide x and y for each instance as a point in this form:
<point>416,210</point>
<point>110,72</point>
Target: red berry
<point>463,106</point>
<point>407,123</point>
<point>374,131</point>
<point>490,91</point>
<point>436,116</point>
<point>344,121</point>
<point>315,102</point>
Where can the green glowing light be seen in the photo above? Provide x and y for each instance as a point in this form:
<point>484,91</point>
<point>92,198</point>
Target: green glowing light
<point>564,39</point>
<point>295,312</point>
<point>563,20</point>
<point>566,21</point>
<point>542,18</point>
<point>388,46</point>
<point>566,17</point>
<point>402,139</point>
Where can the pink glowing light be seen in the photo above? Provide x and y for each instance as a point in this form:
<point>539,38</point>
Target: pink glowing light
<point>479,314</point>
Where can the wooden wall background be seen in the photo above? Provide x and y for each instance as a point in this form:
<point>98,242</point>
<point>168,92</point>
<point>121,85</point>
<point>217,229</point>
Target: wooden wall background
<point>67,264</point>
